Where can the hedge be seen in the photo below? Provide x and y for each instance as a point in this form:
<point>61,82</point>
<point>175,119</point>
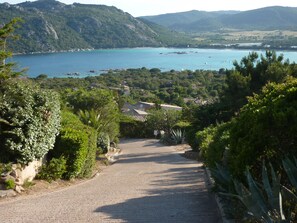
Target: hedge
<point>77,143</point>
<point>132,128</point>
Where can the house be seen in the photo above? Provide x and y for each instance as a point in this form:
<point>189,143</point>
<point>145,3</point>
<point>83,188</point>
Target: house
<point>140,110</point>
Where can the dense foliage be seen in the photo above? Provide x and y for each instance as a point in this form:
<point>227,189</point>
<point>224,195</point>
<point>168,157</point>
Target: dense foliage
<point>131,128</point>
<point>77,143</point>
<point>53,170</point>
<point>162,120</point>
<point>7,33</point>
<point>213,143</point>
<point>29,121</point>
<point>266,128</point>
<point>257,114</point>
<point>151,85</point>
<point>98,109</point>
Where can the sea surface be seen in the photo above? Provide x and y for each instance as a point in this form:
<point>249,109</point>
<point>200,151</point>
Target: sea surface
<point>95,62</point>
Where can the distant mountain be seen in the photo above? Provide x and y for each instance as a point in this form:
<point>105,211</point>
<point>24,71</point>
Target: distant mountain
<point>50,25</point>
<point>175,20</point>
<point>269,18</point>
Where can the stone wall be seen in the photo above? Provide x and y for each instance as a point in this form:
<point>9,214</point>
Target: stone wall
<point>28,172</point>
<point>19,174</point>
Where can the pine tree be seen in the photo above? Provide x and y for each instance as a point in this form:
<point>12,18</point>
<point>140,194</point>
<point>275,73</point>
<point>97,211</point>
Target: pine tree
<point>7,32</point>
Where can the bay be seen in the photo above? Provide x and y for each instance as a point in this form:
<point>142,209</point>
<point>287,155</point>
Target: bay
<point>95,62</point>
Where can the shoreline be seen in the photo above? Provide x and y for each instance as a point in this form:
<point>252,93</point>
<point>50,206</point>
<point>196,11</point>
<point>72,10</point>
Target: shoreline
<point>222,47</point>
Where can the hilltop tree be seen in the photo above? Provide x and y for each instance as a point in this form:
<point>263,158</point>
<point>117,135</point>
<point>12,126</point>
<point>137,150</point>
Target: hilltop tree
<point>6,33</point>
<point>251,74</point>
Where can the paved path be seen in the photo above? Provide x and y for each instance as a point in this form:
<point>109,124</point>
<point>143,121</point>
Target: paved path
<point>149,183</point>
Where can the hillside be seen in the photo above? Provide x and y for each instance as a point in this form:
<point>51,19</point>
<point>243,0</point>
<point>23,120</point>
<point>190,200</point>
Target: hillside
<point>53,26</point>
<point>269,18</point>
<point>177,21</point>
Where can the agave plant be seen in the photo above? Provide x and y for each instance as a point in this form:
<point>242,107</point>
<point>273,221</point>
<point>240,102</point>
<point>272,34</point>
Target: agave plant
<point>291,170</point>
<point>263,201</point>
<point>177,136</point>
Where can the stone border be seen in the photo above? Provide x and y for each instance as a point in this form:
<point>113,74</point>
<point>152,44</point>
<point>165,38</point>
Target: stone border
<point>218,201</point>
<point>112,155</point>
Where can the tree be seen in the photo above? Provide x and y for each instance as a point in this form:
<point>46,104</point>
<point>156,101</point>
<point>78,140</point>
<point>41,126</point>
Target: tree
<point>98,109</point>
<point>6,33</point>
<point>162,120</point>
<point>250,75</point>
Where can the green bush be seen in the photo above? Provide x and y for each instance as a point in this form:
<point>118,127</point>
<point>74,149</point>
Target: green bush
<point>162,120</point>
<point>29,121</point>
<point>266,129</point>
<point>191,138</point>
<point>53,170</point>
<point>77,143</point>
<point>9,184</point>
<point>204,138</point>
<point>132,128</point>
<point>98,109</point>
<point>213,142</point>
<point>88,167</point>
<point>5,167</point>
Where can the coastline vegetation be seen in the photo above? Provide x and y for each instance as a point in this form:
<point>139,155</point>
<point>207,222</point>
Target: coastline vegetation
<point>240,120</point>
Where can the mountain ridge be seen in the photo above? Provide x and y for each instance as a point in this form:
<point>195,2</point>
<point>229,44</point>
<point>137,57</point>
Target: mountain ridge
<point>267,18</point>
<point>51,26</point>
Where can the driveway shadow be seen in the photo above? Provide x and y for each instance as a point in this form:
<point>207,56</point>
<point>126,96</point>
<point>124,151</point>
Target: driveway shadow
<point>180,196</point>
<point>176,194</point>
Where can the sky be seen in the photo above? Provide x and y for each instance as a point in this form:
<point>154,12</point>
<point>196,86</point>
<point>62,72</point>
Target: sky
<point>156,7</point>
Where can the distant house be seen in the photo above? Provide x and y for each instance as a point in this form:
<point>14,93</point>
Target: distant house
<point>140,110</point>
<point>171,107</point>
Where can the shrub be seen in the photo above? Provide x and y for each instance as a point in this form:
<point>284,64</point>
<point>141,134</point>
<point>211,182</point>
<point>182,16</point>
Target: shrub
<point>162,120</point>
<point>5,167</point>
<point>132,128</point>
<point>53,170</point>
<point>98,110</point>
<point>29,121</point>
<point>204,138</point>
<point>77,143</point>
<point>191,138</point>
<point>212,142</point>
<point>9,184</point>
<point>266,129</point>
<point>87,169</point>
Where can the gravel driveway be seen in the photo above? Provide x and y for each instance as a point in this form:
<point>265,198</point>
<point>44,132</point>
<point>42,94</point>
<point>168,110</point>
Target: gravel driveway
<point>149,183</point>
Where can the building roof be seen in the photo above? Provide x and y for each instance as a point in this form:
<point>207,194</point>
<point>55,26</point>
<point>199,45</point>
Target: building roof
<point>171,107</point>
<point>140,112</point>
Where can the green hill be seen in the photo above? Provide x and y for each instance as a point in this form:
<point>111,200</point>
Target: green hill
<point>53,26</point>
<point>269,18</point>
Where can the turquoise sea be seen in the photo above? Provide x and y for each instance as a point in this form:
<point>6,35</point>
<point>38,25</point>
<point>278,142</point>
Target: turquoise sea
<point>90,63</point>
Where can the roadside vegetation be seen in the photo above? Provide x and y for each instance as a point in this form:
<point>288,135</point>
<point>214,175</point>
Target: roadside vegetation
<point>243,123</point>
<point>248,139</point>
